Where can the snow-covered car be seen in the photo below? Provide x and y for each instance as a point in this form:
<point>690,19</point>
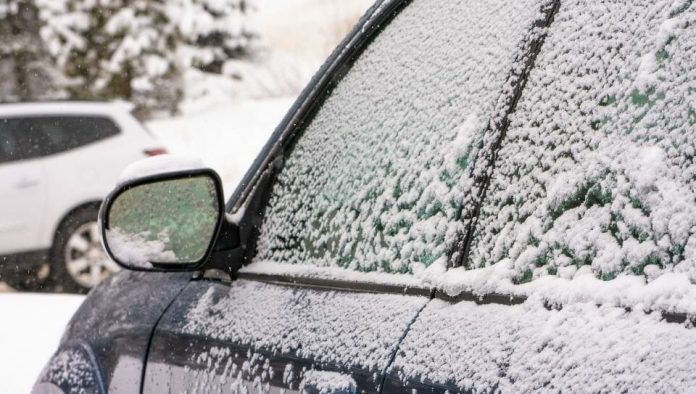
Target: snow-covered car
<point>470,196</point>
<point>57,163</point>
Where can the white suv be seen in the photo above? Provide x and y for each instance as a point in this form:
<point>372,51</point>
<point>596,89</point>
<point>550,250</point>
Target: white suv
<point>57,161</point>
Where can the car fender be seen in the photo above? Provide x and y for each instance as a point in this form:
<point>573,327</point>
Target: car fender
<point>71,369</point>
<point>108,337</point>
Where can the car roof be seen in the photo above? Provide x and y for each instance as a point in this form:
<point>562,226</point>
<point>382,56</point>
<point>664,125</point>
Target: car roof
<point>64,107</point>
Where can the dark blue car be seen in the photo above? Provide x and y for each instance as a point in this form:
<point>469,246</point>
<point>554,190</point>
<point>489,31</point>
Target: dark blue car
<point>470,196</point>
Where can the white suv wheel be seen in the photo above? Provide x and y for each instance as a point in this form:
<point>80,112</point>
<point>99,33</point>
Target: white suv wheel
<point>85,259</point>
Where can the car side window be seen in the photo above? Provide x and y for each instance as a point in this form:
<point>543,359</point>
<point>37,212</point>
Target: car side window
<point>597,171</point>
<point>30,137</point>
<point>380,178</point>
<point>16,144</point>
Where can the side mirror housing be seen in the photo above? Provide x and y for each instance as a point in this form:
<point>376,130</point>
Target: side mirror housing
<point>168,221</point>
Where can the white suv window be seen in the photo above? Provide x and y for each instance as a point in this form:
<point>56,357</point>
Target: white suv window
<point>598,169</point>
<point>36,136</point>
<point>379,179</point>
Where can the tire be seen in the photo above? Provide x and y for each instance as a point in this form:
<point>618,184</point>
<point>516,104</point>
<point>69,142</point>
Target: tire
<point>33,279</point>
<point>78,260</point>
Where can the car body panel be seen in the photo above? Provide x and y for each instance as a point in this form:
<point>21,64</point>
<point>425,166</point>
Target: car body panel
<point>470,347</point>
<point>114,342</point>
<point>249,334</point>
<point>22,211</point>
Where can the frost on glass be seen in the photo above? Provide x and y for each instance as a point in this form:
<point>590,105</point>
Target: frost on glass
<point>379,181</point>
<point>598,165</point>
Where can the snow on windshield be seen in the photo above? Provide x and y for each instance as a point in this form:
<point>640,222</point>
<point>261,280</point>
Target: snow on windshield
<point>378,181</point>
<point>597,168</point>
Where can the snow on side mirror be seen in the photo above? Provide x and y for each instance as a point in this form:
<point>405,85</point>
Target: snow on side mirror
<point>165,215</point>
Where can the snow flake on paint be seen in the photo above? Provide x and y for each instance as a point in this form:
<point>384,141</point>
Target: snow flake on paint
<point>326,326</point>
<point>529,348</point>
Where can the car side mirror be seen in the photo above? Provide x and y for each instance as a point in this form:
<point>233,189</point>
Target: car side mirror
<point>164,222</point>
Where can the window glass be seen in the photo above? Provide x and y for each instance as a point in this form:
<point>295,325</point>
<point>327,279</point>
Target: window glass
<point>598,168</point>
<point>30,137</point>
<point>378,180</point>
<point>18,143</point>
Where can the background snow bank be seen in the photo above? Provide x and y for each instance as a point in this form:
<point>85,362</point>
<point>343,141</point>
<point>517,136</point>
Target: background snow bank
<point>227,137</point>
<point>30,330</point>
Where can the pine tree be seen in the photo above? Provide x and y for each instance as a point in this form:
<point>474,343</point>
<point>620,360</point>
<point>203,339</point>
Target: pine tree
<point>27,70</point>
<point>214,31</point>
<point>138,50</point>
<point>116,49</point>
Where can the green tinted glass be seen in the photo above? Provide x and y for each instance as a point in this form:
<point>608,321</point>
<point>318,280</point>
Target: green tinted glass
<point>164,222</point>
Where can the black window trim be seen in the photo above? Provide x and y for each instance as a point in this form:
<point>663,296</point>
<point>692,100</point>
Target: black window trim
<point>517,79</point>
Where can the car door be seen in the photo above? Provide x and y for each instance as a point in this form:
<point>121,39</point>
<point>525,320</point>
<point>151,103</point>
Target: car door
<point>22,187</point>
<point>580,271</point>
<point>371,183</point>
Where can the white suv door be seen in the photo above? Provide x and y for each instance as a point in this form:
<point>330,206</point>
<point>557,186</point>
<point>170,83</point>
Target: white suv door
<point>22,188</point>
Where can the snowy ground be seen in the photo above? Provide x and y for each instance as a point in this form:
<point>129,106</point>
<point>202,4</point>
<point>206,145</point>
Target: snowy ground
<point>30,330</point>
<point>226,137</point>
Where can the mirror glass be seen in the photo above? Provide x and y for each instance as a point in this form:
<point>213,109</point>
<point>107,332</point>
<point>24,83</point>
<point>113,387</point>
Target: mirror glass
<point>171,221</point>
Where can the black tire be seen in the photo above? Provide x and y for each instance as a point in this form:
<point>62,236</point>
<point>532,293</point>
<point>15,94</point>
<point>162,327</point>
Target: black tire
<point>33,279</point>
<point>60,277</point>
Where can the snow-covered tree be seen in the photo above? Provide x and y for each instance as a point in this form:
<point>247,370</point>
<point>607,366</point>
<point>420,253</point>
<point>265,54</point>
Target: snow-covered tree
<point>115,49</point>
<point>27,71</point>
<point>138,49</point>
<point>213,31</point>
